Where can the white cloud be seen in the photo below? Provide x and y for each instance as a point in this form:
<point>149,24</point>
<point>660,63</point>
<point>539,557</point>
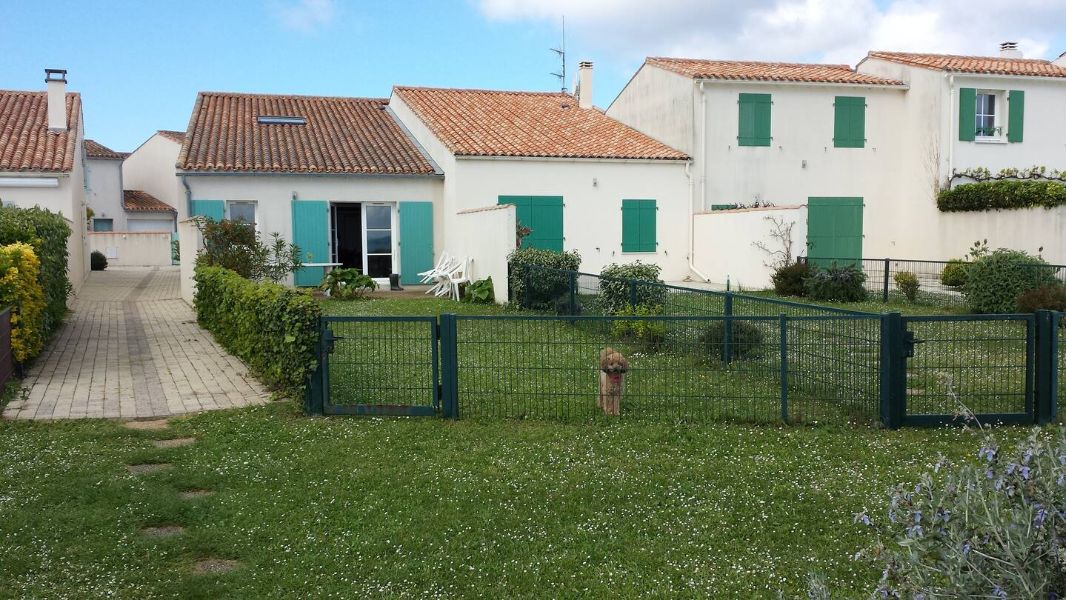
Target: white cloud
<point>306,16</point>
<point>802,30</point>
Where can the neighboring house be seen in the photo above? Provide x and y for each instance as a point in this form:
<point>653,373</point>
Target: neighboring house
<point>42,159</point>
<point>146,213</point>
<point>337,176</point>
<point>150,169</point>
<point>103,187</point>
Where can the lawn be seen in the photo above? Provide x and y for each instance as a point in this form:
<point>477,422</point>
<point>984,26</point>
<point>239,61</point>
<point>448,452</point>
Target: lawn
<point>368,507</point>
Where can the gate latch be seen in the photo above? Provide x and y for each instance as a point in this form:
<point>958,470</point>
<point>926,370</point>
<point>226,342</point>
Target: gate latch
<point>909,342</point>
<point>328,341</point>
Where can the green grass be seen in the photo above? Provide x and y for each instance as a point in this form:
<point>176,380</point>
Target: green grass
<point>355,507</point>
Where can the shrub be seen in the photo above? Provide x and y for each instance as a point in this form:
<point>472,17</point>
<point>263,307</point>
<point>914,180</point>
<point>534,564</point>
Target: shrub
<point>47,232</point>
<point>789,279</point>
<point>649,335</point>
<point>347,284</point>
<point>954,274</point>
<point>994,281</point>
<point>237,246</point>
<point>548,283</point>
<point>1045,297</point>
<point>1003,194</point>
<point>20,288</point>
<point>97,261</point>
<point>615,288</point>
<point>836,283</point>
<point>907,283</point>
<point>271,327</point>
<point>747,340</point>
<point>480,292</point>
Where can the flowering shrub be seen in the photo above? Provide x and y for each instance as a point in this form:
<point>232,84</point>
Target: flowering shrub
<point>21,290</point>
<point>47,233</point>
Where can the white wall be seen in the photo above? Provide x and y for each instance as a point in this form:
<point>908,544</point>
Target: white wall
<point>725,240</point>
<point>131,249</point>
<point>658,103</point>
<point>152,168</point>
<point>104,190</point>
<point>486,235</point>
<point>190,241</point>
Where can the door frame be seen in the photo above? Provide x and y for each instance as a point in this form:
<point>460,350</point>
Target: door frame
<point>393,226</point>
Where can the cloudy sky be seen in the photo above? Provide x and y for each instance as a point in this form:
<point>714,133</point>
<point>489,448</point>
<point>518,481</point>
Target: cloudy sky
<point>139,64</point>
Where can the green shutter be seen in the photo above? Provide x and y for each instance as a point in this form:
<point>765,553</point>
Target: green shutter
<point>849,122</point>
<point>212,209</point>
<point>967,114</point>
<point>310,231</point>
<point>753,128</point>
<point>416,240</point>
<point>1015,116</point>
<point>834,230</point>
<point>638,225</point>
<point>543,215</point>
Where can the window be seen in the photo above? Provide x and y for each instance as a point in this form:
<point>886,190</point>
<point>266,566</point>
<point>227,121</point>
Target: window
<point>638,226</point>
<point>754,126</point>
<point>849,122</point>
<point>280,120</point>
<point>991,115</point>
<point>377,228</point>
<point>242,210</point>
<point>103,224</point>
<point>985,115</point>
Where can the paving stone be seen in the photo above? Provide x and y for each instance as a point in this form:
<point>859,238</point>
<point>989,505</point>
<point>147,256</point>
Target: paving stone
<point>147,425</point>
<point>194,494</point>
<point>174,443</point>
<point>211,566</point>
<point>146,468</point>
<point>164,531</point>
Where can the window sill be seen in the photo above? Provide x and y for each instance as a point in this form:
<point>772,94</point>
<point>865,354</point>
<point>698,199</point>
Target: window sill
<point>990,140</point>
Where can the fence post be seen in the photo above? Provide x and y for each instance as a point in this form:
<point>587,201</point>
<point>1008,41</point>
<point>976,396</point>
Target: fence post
<point>449,367</point>
<point>1044,387</point>
<point>884,291</point>
<point>573,293</point>
<point>893,371</point>
<point>784,368</point>
<point>727,330</point>
<point>632,294</point>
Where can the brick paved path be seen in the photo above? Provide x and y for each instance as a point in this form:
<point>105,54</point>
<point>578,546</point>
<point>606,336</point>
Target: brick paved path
<point>131,348</point>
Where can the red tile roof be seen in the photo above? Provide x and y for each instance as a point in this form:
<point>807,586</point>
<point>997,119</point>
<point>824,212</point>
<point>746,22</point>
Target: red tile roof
<point>94,149</point>
<point>497,123</point>
<point>138,201</point>
<point>990,65</point>
<point>341,135</point>
<point>766,71</point>
<point>174,136</point>
<point>26,144</point>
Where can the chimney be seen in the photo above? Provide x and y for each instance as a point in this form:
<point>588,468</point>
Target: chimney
<point>584,84</point>
<point>1009,50</point>
<point>57,98</point>
<point>1060,61</point>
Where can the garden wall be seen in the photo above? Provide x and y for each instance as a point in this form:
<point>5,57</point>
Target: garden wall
<point>486,235</point>
<point>190,241</point>
<point>724,243</point>
<point>133,249</point>
<point>1026,229</point>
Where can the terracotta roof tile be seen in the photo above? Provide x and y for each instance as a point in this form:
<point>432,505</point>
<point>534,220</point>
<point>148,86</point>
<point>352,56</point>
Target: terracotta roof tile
<point>990,65</point>
<point>174,136</point>
<point>341,135</point>
<point>138,201</point>
<point>766,71</point>
<point>94,149</point>
<point>26,144</point>
<point>497,123</point>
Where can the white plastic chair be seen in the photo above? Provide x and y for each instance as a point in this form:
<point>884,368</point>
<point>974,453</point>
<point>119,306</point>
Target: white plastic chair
<point>457,277</point>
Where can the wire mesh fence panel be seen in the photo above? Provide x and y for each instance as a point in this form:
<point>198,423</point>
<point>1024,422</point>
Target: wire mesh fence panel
<point>1060,364</point>
<point>745,305</point>
<point>982,363</point>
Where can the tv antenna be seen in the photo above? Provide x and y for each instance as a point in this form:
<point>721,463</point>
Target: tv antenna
<point>561,53</point>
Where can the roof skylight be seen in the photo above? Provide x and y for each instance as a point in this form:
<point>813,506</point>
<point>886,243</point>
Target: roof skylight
<point>280,120</point>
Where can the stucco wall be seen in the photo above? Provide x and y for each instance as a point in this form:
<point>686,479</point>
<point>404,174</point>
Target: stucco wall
<point>725,249</point>
<point>151,168</point>
<point>486,235</point>
<point>190,241</point>
<point>104,190</point>
<point>658,103</point>
<point>129,249</point>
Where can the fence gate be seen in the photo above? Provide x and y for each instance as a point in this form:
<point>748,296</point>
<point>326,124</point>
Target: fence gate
<point>985,363</point>
<point>378,366</point>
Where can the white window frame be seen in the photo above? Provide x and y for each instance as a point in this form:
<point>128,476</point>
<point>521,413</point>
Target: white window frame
<point>393,232</point>
<point>255,210</point>
<point>997,115</point>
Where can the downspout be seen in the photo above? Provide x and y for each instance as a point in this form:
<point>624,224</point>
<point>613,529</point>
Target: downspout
<point>692,192</point>
<point>952,124</point>
<point>188,197</point>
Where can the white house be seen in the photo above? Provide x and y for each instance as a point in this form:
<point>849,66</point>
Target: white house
<point>42,159</point>
<point>150,169</point>
<point>103,187</point>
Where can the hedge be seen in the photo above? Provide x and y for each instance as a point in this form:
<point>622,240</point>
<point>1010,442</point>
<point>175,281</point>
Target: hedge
<point>547,285</point>
<point>20,288</point>
<point>615,290</point>
<point>47,232</point>
<point>1003,194</point>
<point>271,327</point>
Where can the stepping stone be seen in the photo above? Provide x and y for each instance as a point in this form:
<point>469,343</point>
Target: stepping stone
<point>211,566</point>
<point>194,494</point>
<point>147,468</point>
<point>174,443</point>
<point>150,425</point>
<point>164,531</point>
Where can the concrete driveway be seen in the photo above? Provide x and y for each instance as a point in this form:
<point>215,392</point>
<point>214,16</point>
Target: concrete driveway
<point>131,348</point>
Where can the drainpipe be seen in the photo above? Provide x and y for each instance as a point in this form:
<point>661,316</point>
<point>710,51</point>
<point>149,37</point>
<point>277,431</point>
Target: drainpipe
<point>703,147</point>
<point>188,197</point>
<point>692,193</point>
<point>952,125</point>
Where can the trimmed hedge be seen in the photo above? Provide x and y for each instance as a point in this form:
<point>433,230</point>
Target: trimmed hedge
<point>20,288</point>
<point>1003,194</point>
<point>47,232</point>
<point>271,327</point>
<point>614,288</point>
<point>546,287</point>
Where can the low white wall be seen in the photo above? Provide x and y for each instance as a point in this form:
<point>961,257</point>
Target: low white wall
<point>190,241</point>
<point>1026,229</point>
<point>486,235</point>
<point>724,245</point>
<point>132,249</point>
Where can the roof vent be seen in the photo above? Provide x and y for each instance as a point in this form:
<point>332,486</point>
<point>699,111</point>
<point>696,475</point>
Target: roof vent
<point>280,120</point>
<point>1009,50</point>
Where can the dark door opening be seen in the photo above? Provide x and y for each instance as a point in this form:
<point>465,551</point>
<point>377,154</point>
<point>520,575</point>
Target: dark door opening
<point>348,232</point>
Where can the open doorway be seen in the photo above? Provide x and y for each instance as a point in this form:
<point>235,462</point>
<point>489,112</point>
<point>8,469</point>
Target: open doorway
<point>364,237</point>
<point>348,235</point>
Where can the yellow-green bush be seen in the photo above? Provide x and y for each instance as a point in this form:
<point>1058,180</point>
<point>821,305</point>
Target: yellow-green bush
<point>21,289</point>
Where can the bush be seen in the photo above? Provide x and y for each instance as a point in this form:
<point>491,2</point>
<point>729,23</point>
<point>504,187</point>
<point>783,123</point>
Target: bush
<point>237,246</point>
<point>480,292</point>
<point>347,284</point>
<point>615,290</point>
<point>1002,194</point>
<point>747,340</point>
<point>995,281</point>
<point>20,288</point>
<point>837,284</point>
<point>789,280</point>
<point>548,283</point>
<point>271,327</point>
<point>954,274</point>
<point>47,232</point>
<point>649,335</point>
<point>907,283</point>
<point>97,261</point>
<point>1045,297</point>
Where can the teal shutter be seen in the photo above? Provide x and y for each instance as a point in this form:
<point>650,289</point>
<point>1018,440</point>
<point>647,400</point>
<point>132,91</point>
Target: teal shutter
<point>211,209</point>
<point>849,122</point>
<point>967,114</point>
<point>1015,116</point>
<point>753,128</point>
<point>416,240</point>
<point>638,226</point>
<point>310,231</point>
<point>834,230</point>
<point>543,215</point>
